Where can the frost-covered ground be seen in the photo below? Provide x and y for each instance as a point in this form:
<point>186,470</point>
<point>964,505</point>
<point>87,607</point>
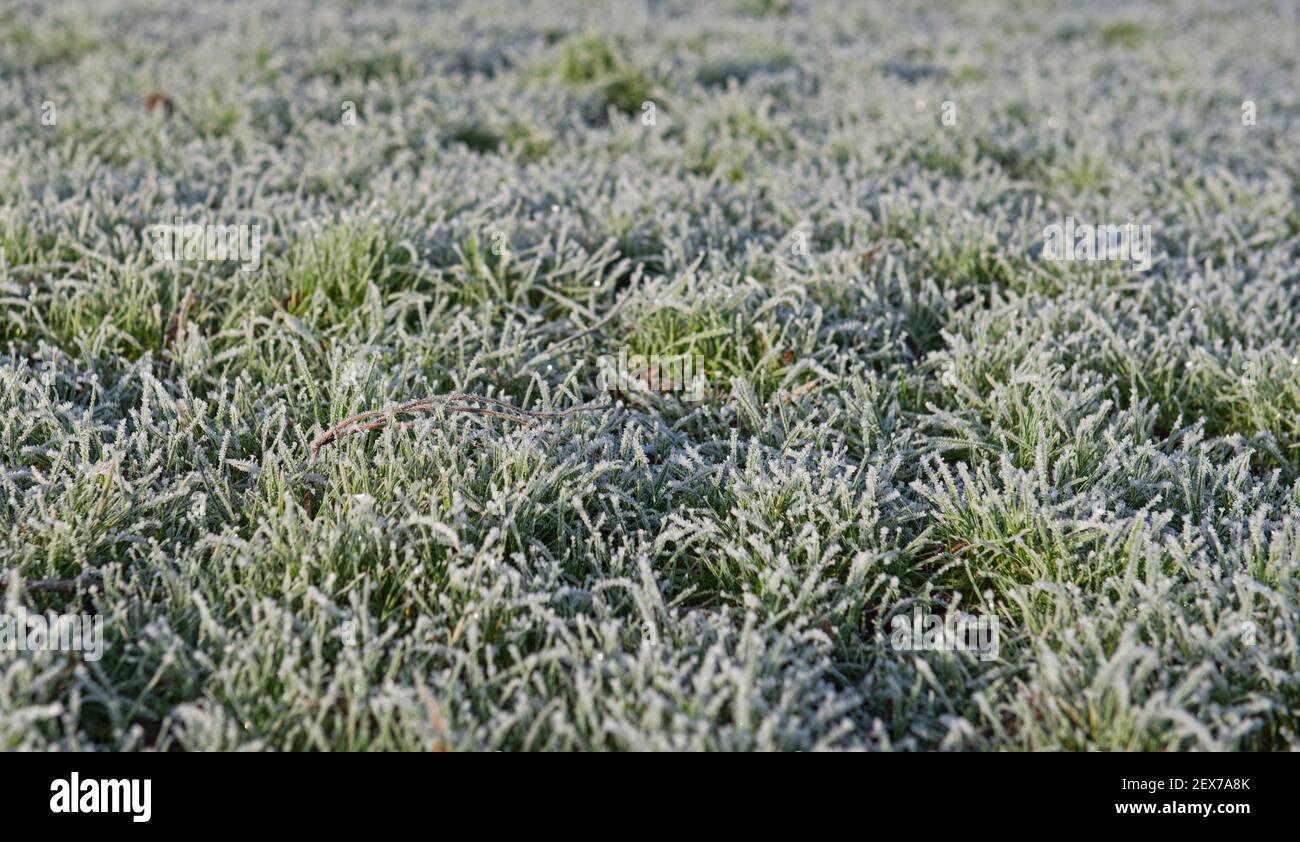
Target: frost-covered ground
<point>837,208</point>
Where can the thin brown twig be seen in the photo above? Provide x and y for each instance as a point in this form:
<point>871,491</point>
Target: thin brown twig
<point>60,586</point>
<point>176,326</point>
<point>362,423</point>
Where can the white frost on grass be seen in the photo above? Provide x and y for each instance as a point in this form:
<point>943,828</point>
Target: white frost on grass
<point>912,412</point>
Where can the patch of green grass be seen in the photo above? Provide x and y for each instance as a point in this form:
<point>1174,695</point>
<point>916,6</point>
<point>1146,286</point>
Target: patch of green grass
<point>597,69</point>
<point>765,8</point>
<point>1128,34</point>
<point>331,274</point>
<point>51,43</point>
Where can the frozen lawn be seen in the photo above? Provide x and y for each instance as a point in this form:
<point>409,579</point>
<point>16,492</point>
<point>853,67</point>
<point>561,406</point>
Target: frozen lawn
<point>906,407</point>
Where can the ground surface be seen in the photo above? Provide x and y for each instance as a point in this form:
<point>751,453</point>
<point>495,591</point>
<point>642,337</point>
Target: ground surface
<point>917,411</point>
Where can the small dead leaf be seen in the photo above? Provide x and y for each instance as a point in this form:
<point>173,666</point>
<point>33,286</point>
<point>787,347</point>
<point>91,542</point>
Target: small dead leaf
<point>160,101</point>
<point>176,324</point>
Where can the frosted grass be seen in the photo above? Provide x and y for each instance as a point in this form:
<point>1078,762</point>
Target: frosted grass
<point>911,410</point>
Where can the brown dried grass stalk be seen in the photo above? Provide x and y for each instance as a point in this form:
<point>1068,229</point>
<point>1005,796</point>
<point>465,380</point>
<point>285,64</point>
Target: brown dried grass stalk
<point>377,419</point>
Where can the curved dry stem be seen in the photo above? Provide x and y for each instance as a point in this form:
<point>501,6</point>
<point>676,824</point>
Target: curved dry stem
<point>361,423</point>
